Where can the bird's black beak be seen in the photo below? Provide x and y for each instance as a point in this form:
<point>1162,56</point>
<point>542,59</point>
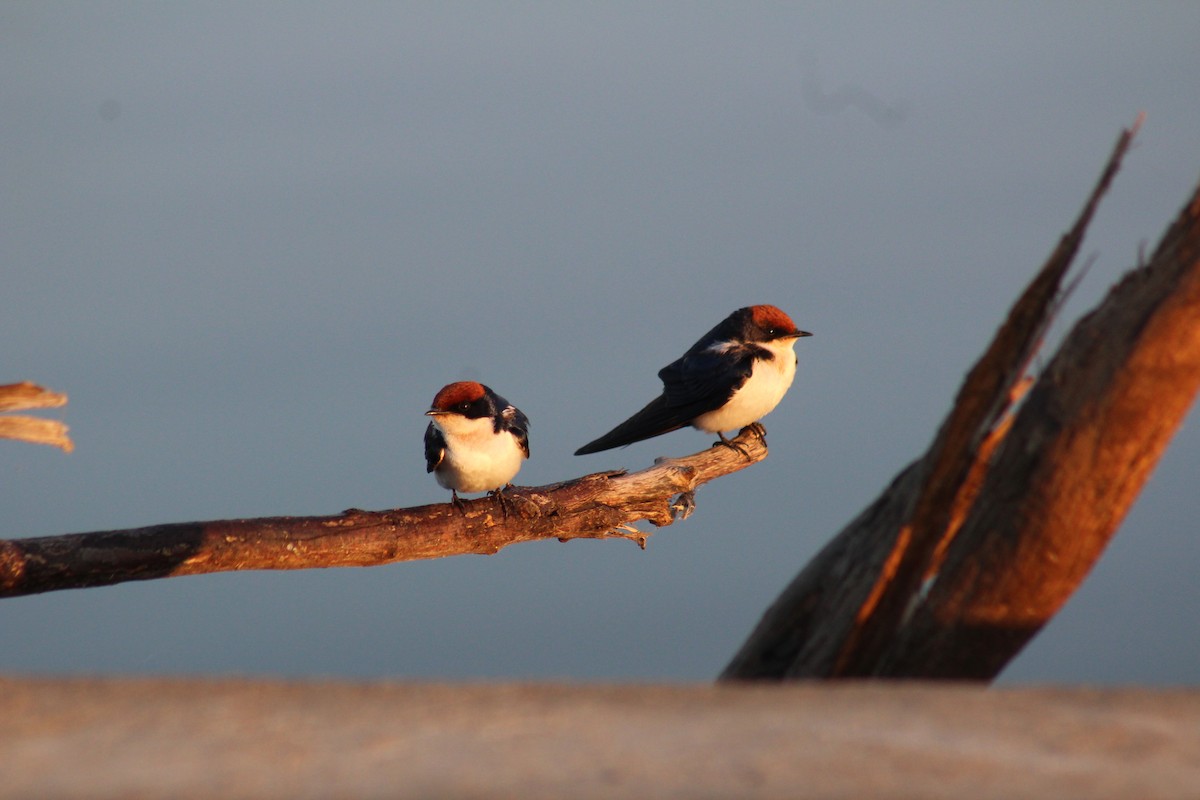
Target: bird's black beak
<point>801,334</point>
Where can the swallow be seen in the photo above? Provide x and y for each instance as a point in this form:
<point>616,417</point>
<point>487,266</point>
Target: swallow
<point>733,377</point>
<point>476,441</point>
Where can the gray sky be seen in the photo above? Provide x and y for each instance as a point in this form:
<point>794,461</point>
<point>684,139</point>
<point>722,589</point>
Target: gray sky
<point>251,241</point>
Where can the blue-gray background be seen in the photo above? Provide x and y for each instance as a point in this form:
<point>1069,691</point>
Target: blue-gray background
<point>251,241</point>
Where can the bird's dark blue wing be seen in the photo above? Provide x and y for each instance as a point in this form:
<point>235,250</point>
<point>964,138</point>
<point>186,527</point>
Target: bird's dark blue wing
<point>512,420</point>
<point>704,380</point>
<point>435,447</point>
<point>699,382</point>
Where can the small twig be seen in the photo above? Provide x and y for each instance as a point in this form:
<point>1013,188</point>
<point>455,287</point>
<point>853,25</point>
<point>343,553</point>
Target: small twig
<point>25,395</point>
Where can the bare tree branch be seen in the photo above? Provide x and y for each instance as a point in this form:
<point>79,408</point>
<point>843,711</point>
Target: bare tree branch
<point>977,544</point>
<point>598,506</point>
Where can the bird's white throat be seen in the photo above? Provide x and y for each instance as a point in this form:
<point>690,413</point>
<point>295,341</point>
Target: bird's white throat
<point>768,382</point>
<point>477,458</point>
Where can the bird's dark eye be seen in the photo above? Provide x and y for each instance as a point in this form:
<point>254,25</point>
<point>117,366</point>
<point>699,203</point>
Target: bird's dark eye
<point>465,406</point>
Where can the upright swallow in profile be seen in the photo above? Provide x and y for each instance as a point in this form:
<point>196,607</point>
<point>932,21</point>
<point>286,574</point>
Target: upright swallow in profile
<point>476,441</point>
<point>733,377</point>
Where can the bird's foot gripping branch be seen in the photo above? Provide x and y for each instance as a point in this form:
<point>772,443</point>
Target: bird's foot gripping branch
<point>597,506</point>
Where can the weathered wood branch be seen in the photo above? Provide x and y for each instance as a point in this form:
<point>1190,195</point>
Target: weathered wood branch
<point>24,395</point>
<point>978,543</point>
<point>602,505</point>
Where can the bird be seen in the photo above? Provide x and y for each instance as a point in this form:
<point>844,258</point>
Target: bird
<point>732,377</point>
<point>476,440</point>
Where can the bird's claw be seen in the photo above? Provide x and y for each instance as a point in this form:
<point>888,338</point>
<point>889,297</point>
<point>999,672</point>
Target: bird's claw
<point>755,429</point>
<point>732,445</point>
<point>501,498</point>
<point>457,502</point>
<point>498,494</point>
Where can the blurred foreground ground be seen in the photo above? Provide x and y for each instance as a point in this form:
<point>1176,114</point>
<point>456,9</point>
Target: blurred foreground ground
<point>179,738</point>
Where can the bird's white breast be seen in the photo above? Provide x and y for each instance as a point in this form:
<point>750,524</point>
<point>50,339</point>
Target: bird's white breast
<point>477,458</point>
<point>768,382</point>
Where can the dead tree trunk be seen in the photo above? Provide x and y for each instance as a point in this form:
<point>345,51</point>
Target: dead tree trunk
<point>977,544</point>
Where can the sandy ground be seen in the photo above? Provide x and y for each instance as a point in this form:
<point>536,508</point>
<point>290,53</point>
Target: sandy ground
<point>146,738</point>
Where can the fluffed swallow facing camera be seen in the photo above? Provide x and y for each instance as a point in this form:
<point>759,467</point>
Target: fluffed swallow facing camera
<point>476,441</point>
<point>733,377</point>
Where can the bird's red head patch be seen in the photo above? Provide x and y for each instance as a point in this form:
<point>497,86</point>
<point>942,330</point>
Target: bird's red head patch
<point>456,393</point>
<point>767,317</point>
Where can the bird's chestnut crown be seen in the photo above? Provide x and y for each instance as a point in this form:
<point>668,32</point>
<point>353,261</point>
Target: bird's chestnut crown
<point>459,397</point>
<point>774,321</point>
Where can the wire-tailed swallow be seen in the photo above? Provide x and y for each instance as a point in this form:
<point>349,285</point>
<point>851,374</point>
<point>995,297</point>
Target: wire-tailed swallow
<point>476,441</point>
<point>733,377</point>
